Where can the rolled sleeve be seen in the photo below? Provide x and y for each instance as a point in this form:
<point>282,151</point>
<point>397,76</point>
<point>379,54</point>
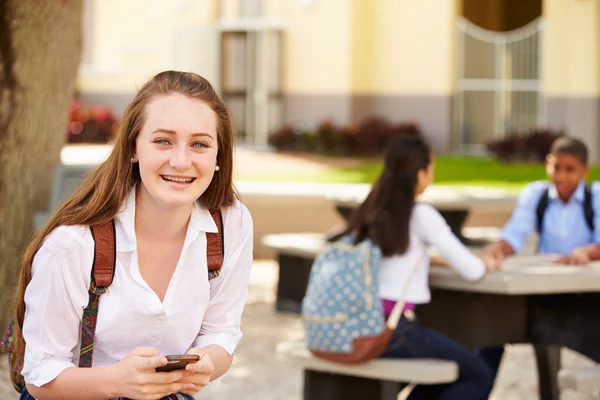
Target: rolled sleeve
<point>228,341</point>
<point>523,219</point>
<point>52,320</point>
<point>46,371</point>
<point>222,319</point>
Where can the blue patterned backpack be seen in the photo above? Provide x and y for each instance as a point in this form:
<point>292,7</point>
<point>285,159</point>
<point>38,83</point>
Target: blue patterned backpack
<point>342,311</point>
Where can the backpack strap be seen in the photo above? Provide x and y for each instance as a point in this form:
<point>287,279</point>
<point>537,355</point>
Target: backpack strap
<point>215,246</point>
<point>103,272</point>
<point>541,209</point>
<point>588,209</point>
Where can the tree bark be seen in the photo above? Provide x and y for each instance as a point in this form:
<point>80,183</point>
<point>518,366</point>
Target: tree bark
<point>40,47</point>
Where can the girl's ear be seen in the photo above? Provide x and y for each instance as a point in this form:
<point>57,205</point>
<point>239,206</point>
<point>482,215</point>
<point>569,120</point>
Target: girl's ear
<point>421,176</point>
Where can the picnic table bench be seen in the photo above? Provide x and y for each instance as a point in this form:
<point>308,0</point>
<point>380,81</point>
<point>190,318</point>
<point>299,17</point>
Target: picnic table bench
<point>581,379</point>
<point>380,379</point>
<point>66,179</point>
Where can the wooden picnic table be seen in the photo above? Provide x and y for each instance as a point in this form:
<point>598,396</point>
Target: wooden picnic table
<point>531,301</point>
<point>454,203</point>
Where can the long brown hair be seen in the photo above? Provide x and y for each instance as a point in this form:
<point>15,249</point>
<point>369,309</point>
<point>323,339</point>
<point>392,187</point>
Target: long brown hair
<point>384,216</point>
<point>106,188</point>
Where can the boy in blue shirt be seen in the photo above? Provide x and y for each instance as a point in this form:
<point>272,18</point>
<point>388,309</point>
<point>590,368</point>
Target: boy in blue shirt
<point>564,210</point>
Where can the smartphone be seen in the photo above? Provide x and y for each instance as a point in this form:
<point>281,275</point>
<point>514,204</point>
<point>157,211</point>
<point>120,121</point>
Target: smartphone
<point>178,362</point>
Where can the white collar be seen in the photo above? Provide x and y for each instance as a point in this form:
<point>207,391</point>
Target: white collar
<point>578,194</point>
<point>200,220</point>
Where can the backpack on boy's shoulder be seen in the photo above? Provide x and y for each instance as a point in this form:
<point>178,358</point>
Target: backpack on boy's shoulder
<point>103,272</point>
<point>588,209</point>
<point>342,310</point>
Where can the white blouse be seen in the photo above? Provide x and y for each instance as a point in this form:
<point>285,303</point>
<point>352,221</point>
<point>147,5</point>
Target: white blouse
<point>195,312</point>
<point>427,228</point>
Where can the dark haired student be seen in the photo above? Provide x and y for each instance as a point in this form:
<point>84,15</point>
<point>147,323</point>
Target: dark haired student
<point>404,230</point>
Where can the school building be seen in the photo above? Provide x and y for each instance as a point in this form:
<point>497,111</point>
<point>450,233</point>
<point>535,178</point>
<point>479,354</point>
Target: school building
<point>466,70</point>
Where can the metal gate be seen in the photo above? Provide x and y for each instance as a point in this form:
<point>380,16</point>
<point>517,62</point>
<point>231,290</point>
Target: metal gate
<point>499,83</point>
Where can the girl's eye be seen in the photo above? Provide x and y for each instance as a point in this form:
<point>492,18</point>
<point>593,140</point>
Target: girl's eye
<point>161,141</point>
<point>199,145</point>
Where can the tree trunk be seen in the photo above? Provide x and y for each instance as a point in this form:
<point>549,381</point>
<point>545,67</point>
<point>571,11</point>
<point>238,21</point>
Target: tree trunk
<point>40,47</point>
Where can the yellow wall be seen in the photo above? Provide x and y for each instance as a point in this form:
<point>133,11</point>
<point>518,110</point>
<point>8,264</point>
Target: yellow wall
<point>331,46</point>
<point>371,46</point>
<point>570,64</point>
<point>134,39</point>
<point>318,46</point>
<point>414,46</point>
<point>363,32</point>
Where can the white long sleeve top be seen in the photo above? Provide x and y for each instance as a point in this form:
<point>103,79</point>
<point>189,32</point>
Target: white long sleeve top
<point>195,311</point>
<point>427,228</point>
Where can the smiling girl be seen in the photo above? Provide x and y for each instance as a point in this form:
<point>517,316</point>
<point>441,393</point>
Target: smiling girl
<point>171,165</point>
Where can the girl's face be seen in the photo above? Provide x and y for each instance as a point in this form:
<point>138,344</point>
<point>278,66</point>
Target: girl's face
<point>425,176</point>
<point>176,150</point>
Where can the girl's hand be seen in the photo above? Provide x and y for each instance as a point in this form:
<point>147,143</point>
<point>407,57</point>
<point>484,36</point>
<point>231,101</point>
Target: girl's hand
<point>494,250</point>
<point>199,373</point>
<point>491,261</point>
<point>135,376</point>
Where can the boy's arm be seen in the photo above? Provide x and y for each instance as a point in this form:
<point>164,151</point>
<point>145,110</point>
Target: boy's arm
<point>499,249</point>
<point>522,223</point>
<point>592,251</point>
<point>581,255</point>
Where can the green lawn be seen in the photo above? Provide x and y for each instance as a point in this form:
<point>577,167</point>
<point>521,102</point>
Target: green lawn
<point>453,170</point>
<point>462,171</point>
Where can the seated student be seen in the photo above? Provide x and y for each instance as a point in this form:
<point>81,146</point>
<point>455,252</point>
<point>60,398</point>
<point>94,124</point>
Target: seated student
<point>563,210</point>
<point>404,230</point>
